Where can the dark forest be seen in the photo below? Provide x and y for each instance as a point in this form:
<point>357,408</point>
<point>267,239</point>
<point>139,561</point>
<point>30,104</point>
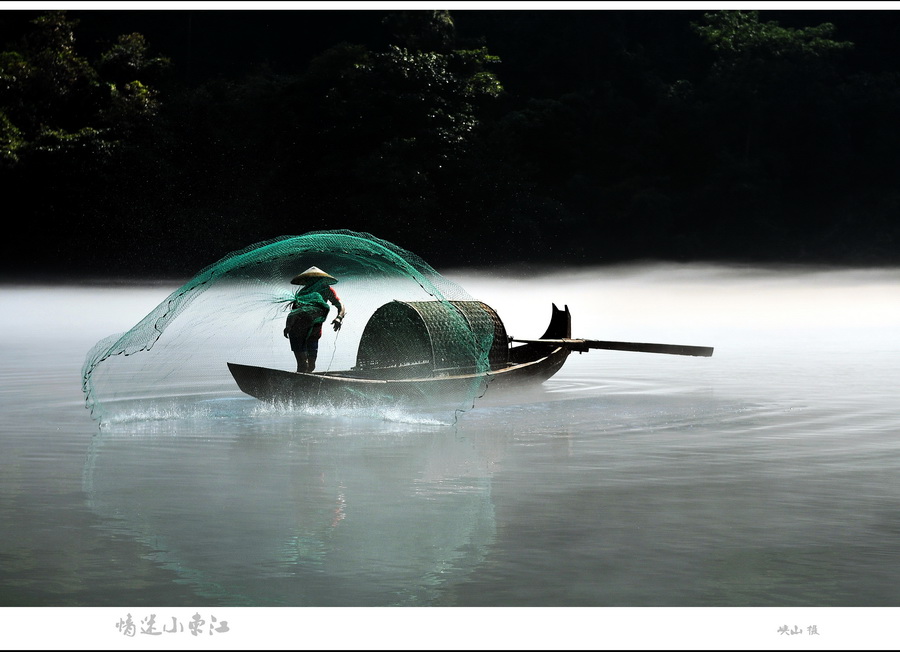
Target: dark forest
<point>152,143</point>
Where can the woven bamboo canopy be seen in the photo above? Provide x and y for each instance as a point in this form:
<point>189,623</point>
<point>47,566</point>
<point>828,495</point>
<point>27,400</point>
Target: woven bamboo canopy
<point>426,338</point>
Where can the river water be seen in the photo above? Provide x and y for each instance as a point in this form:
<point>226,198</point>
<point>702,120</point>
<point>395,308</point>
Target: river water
<point>765,476</point>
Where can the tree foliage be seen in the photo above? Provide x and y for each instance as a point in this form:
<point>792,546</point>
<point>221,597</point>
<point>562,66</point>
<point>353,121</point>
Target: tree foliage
<point>54,100</point>
<point>397,130</point>
<point>471,138</point>
<point>740,39</point>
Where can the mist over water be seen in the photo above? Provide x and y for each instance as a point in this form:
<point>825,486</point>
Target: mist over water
<point>763,476</point>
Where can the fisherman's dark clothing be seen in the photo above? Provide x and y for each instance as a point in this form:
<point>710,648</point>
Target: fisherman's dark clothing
<point>308,312</point>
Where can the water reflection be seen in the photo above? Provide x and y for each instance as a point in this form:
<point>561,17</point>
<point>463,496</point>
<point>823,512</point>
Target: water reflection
<point>294,510</point>
<point>764,476</point>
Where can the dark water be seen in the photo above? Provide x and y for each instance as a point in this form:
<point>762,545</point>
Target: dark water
<point>765,476</point>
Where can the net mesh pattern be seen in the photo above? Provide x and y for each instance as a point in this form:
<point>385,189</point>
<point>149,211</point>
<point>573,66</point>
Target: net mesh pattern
<point>235,309</point>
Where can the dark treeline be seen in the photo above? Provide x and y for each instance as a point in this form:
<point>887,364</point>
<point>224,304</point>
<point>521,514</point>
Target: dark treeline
<point>155,142</point>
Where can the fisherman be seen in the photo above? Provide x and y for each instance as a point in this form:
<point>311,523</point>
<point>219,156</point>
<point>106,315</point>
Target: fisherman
<point>309,310</point>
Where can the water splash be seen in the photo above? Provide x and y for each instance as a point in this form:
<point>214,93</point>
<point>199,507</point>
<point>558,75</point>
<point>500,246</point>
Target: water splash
<point>234,311</point>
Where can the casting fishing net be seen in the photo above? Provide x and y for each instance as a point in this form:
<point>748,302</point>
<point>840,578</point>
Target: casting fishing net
<point>405,326</point>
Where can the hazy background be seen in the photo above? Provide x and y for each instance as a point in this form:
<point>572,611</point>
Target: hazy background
<point>153,142</point>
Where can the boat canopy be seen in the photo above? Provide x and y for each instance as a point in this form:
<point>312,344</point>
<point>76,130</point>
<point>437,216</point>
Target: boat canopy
<point>433,338</point>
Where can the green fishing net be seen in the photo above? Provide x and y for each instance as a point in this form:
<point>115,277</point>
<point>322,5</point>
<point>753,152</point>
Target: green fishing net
<point>404,321</point>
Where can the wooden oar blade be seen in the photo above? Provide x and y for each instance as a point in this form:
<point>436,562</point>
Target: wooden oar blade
<point>641,347</point>
<point>645,347</point>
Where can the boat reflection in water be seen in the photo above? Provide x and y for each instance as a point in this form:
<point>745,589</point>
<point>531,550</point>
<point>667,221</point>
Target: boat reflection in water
<point>274,509</point>
<point>298,497</point>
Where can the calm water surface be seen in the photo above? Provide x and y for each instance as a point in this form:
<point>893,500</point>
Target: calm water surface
<point>766,475</point>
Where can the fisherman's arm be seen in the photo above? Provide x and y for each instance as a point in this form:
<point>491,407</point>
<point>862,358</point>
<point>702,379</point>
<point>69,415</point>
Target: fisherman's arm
<point>333,298</point>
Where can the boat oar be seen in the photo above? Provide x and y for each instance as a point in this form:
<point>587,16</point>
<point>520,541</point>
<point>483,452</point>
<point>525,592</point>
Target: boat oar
<point>581,345</point>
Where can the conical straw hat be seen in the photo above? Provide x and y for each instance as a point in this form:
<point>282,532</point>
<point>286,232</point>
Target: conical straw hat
<point>312,274</point>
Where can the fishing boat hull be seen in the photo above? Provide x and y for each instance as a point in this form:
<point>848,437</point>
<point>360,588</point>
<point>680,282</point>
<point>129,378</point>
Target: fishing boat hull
<point>530,364</point>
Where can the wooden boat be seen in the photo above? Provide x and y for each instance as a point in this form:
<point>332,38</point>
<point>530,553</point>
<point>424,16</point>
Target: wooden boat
<point>425,365</point>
